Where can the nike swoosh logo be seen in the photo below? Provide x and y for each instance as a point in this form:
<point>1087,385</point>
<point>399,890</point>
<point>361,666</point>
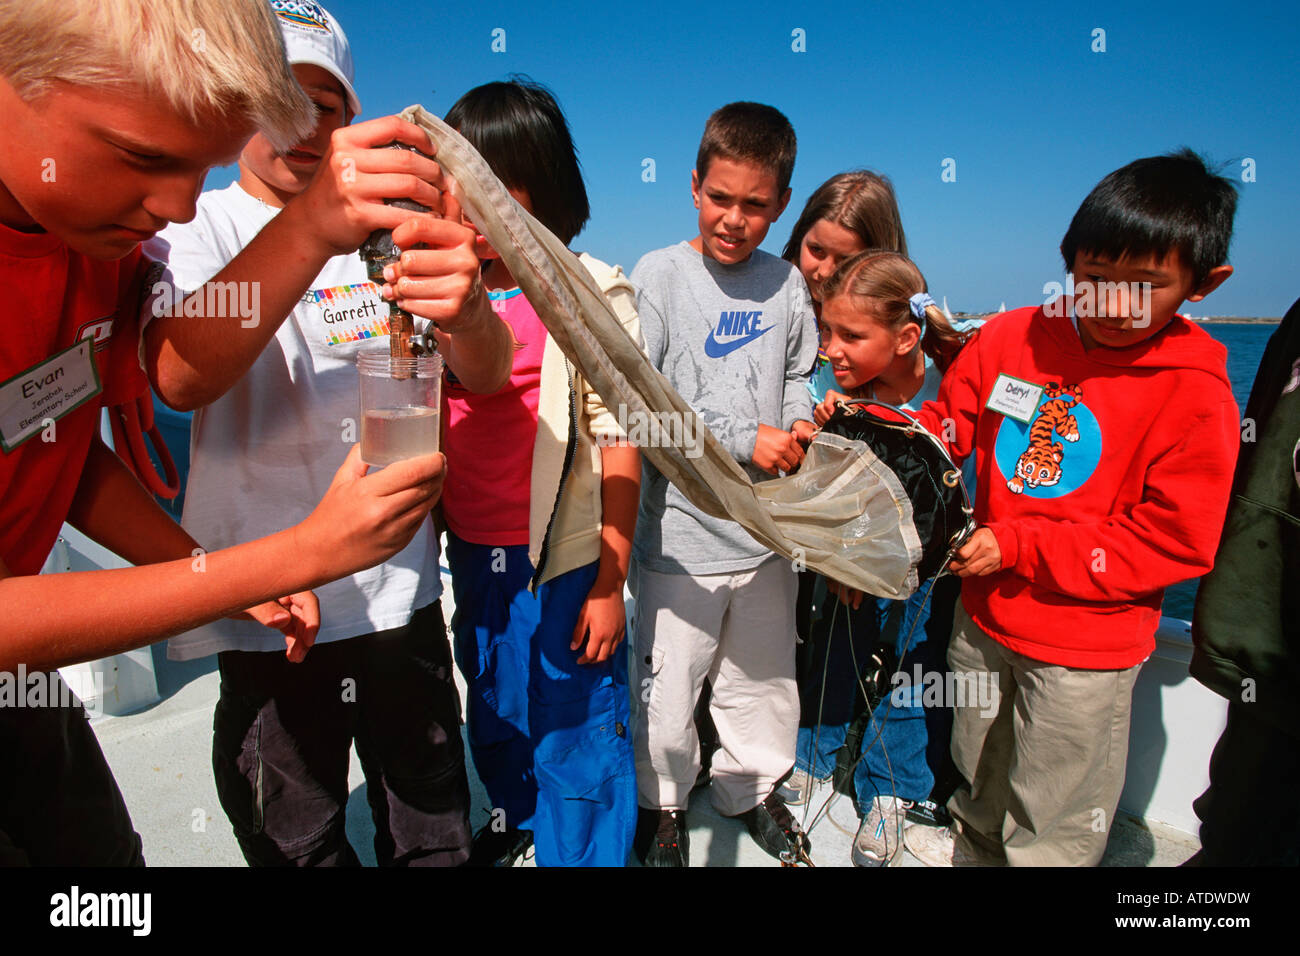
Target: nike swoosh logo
<point>715,349</point>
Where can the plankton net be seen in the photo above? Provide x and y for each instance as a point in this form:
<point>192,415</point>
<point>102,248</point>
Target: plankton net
<point>874,526</point>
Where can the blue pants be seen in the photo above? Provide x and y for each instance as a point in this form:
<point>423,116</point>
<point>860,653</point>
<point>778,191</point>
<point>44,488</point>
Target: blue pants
<point>905,744</point>
<point>549,737</point>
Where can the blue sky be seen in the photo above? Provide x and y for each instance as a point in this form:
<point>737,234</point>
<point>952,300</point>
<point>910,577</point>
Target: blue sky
<point>1013,93</point>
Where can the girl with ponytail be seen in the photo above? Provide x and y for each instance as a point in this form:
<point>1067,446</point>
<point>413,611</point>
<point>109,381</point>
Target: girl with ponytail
<point>883,335</point>
<point>884,339</point>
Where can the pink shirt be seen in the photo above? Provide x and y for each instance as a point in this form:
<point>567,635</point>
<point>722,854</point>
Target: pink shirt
<point>489,439</point>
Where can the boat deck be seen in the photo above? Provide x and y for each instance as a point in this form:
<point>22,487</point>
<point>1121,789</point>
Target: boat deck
<point>161,757</point>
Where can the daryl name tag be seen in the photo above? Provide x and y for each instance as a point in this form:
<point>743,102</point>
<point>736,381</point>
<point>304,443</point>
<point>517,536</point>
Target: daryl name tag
<point>46,392</point>
<point>1014,397</point>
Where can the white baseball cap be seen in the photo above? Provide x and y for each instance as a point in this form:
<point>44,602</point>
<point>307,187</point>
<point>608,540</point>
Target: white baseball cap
<point>312,36</point>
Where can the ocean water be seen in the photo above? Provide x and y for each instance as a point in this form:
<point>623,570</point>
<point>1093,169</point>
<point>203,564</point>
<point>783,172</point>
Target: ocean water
<point>1245,345</point>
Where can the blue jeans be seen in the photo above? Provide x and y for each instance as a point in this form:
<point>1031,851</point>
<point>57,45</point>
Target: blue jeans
<point>905,744</point>
<point>549,737</point>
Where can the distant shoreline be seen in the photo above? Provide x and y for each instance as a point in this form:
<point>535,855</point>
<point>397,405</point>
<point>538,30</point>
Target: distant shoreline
<point>1235,320</point>
<point>1208,320</point>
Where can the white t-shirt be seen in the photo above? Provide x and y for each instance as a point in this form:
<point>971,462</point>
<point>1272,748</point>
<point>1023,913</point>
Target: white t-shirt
<point>263,454</point>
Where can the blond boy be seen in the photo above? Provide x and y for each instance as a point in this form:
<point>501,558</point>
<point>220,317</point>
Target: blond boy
<point>95,160</point>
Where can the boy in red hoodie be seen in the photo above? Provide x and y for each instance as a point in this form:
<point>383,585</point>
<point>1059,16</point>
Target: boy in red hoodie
<point>1105,434</point>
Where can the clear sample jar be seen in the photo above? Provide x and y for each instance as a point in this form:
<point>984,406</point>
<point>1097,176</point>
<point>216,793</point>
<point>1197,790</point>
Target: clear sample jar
<point>400,413</point>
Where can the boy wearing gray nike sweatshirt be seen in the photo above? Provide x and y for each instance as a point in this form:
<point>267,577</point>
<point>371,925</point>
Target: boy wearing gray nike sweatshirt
<point>732,328</point>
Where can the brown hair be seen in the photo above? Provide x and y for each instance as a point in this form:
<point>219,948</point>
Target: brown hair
<point>891,280</point>
<point>749,132</point>
<point>862,202</point>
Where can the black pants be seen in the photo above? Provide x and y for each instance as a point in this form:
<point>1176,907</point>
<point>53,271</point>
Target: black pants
<point>1248,816</point>
<point>281,739</point>
<point>849,637</point>
<point>59,803</point>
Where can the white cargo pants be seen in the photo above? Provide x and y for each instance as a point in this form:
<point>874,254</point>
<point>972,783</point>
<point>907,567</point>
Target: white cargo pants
<point>737,630</point>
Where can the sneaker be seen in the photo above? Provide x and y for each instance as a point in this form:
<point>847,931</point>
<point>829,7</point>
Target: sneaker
<point>661,838</point>
<point>937,846</point>
<point>927,813</point>
<point>796,788</point>
<point>499,847</point>
<point>775,830</point>
<point>880,836</point>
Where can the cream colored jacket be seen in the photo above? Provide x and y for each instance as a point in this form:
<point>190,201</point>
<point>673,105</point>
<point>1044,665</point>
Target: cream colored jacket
<point>564,503</point>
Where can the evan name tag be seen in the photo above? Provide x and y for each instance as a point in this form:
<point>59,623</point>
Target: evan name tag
<point>1014,397</point>
<point>46,392</point>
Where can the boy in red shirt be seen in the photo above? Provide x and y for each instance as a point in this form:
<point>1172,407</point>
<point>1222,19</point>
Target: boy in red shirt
<point>94,161</point>
<point>1105,433</point>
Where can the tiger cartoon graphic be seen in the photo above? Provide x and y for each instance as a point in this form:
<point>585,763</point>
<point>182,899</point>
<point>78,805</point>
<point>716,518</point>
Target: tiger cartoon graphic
<point>1041,462</point>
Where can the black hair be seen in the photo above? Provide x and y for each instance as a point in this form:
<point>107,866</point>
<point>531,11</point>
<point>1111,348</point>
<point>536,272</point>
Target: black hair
<point>519,129</point>
<point>1155,206</point>
<point>750,132</point>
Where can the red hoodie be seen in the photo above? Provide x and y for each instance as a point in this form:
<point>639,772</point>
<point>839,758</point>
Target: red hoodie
<point>1116,488</point>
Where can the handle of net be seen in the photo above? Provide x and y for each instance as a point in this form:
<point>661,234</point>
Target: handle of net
<point>130,423</point>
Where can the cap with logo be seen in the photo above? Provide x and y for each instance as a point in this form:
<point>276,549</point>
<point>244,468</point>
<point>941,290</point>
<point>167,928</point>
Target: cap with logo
<point>312,36</point>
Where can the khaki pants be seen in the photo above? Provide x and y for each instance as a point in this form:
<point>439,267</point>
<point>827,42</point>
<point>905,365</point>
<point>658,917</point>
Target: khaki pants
<point>1046,763</point>
<point>738,631</point>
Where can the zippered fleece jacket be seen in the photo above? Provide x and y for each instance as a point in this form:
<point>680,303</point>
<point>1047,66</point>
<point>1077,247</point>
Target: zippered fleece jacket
<point>737,343</point>
<point>564,514</point>
<point>1114,489</point>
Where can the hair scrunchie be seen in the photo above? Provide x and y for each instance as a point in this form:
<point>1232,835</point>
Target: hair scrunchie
<point>919,303</point>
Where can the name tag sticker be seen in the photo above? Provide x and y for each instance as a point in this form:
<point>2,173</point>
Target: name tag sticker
<point>1014,398</point>
<point>46,392</point>
<point>350,313</point>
